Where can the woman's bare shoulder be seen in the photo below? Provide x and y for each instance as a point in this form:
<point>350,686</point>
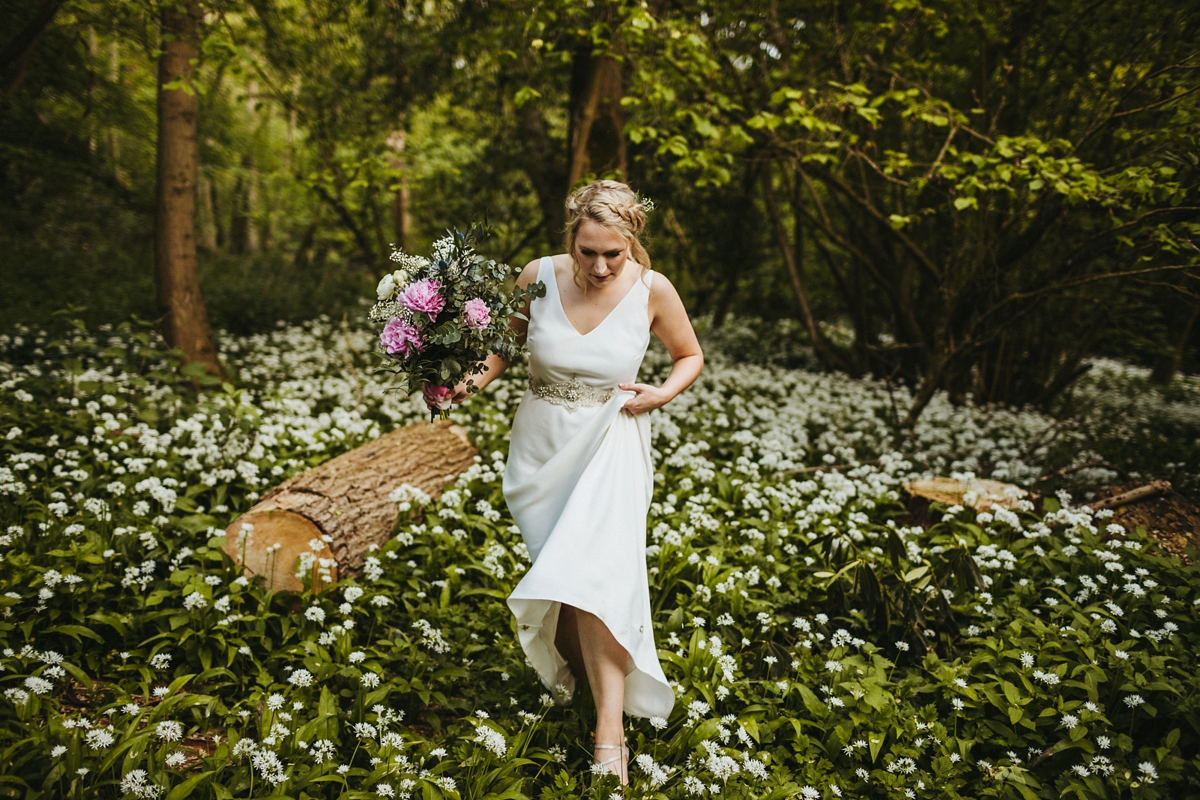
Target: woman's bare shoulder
<point>661,289</point>
<point>529,273</point>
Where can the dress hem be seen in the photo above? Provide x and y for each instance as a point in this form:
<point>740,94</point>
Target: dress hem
<point>532,640</point>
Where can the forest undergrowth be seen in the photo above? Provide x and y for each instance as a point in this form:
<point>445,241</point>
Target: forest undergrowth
<point>820,644</point>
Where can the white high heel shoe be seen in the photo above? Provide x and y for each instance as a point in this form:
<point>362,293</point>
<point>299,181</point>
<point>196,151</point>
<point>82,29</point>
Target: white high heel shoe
<point>622,759</point>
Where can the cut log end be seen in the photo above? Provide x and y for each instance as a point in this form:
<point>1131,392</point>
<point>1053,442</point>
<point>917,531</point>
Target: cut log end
<point>273,544</point>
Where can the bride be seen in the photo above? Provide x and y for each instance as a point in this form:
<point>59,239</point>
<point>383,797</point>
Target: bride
<point>579,477</point>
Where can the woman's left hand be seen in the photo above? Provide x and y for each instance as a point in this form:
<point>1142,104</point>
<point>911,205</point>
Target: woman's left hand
<point>646,398</point>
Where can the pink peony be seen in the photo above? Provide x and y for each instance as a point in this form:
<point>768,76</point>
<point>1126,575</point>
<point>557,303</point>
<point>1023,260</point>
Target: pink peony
<point>477,314</point>
<point>424,296</point>
<point>401,339</point>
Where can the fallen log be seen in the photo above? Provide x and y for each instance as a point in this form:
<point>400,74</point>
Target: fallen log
<point>1169,517</point>
<point>328,516</point>
<point>978,493</point>
<point>1153,489</point>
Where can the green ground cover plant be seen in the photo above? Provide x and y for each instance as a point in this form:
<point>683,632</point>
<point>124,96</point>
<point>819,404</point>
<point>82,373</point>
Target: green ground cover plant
<point>820,644</point>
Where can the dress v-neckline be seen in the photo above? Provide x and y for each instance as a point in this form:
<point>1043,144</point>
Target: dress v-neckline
<point>563,308</point>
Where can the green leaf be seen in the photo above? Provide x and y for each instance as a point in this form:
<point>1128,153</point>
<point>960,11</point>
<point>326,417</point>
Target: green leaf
<point>75,631</point>
<point>875,744</point>
<point>811,701</point>
<point>190,785</point>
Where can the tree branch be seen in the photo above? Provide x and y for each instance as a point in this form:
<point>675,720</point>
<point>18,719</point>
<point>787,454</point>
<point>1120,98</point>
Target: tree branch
<point>924,260</point>
<point>824,348</point>
<point>360,237</point>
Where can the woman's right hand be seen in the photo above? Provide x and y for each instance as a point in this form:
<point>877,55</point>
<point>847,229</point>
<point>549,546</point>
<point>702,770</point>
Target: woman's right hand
<point>441,397</point>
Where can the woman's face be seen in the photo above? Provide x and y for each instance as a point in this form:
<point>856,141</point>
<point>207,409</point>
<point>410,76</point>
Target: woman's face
<point>600,252</point>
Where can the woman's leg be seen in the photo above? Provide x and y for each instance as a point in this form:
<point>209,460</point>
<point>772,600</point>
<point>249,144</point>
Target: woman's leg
<point>566,639</point>
<point>604,660</point>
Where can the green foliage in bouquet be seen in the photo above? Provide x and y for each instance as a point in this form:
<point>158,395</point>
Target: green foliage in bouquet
<point>444,315</point>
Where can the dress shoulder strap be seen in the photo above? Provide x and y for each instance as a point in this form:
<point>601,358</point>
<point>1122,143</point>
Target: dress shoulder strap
<point>545,274</point>
<point>646,281</point>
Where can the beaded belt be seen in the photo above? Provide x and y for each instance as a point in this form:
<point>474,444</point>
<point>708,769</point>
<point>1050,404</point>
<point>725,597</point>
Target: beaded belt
<point>572,394</point>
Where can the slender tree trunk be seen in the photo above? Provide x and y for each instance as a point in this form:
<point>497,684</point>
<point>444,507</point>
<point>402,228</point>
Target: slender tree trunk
<point>239,213</point>
<point>214,200</point>
<point>184,317</point>
<point>741,235</point>
<point>252,233</point>
<point>114,133</point>
<point>1168,364</point>
<point>544,165</point>
<point>401,198</point>
<point>301,259</point>
<point>207,221</point>
<point>825,350</point>
<point>93,50</point>
<point>597,131</point>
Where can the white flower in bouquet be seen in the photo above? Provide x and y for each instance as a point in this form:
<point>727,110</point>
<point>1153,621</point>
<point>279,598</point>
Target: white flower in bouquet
<point>386,287</point>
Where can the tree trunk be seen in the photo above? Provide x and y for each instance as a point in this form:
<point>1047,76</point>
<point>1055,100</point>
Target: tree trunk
<point>253,238</point>
<point>184,317</point>
<point>214,200</point>
<point>347,500</point>
<point>738,252</point>
<point>824,349</point>
<point>597,133</point>
<point>239,219</point>
<point>207,221</point>
<point>1168,364</point>
<point>114,133</point>
<point>401,197</point>
<point>543,165</point>
<point>301,259</point>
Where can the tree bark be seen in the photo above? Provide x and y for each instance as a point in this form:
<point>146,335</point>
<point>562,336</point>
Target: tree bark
<point>824,349</point>
<point>1167,364</point>
<point>734,258</point>
<point>184,316</point>
<point>214,200</point>
<point>239,218</point>
<point>207,223</point>
<point>253,237</point>
<point>543,164</point>
<point>597,132</point>
<point>346,499</point>
<point>402,197</point>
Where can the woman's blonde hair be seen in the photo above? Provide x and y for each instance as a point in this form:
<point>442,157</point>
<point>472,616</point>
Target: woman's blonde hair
<point>613,205</point>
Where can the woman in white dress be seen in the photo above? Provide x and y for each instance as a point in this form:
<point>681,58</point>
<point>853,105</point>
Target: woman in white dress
<point>579,476</point>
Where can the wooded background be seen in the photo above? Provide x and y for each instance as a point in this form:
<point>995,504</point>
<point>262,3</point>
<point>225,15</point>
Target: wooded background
<point>969,196</point>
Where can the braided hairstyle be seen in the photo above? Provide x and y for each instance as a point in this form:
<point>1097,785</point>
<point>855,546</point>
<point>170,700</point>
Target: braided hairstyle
<point>613,205</point>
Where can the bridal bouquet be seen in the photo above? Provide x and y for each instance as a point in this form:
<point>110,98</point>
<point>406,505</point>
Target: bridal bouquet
<point>442,316</point>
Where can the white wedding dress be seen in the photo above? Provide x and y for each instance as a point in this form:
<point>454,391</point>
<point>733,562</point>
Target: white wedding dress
<point>578,482</point>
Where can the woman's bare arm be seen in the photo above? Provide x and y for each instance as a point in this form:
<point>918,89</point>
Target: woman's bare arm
<point>494,365</point>
<point>670,323</point>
